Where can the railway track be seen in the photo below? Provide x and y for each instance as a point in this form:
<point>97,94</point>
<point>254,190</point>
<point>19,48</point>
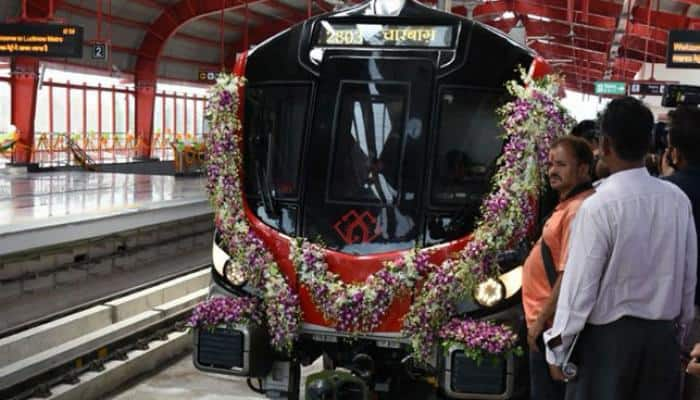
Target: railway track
<point>92,349</point>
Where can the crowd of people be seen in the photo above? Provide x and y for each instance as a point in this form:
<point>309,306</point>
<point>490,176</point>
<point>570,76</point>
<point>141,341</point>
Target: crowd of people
<point>611,284</point>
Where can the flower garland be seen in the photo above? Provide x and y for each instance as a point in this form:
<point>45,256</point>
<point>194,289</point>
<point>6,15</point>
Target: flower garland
<point>356,307</point>
<point>479,339</point>
<point>247,251</point>
<point>531,122</point>
<point>225,311</point>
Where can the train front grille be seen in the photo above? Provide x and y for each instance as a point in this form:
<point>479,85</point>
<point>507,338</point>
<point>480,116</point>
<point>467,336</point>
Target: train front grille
<point>488,377</point>
<point>220,348</point>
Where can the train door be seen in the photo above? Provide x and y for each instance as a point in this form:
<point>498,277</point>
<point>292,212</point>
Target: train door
<point>365,158</point>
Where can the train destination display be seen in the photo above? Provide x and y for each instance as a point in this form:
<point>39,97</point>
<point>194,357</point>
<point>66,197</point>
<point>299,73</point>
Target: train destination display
<point>41,40</point>
<point>376,35</point>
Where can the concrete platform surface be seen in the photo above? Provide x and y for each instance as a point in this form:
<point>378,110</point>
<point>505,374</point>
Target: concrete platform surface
<point>86,204</point>
<point>181,381</point>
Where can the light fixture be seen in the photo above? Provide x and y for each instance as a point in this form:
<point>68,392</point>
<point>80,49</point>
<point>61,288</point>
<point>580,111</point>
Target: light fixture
<point>234,273</point>
<point>489,292</point>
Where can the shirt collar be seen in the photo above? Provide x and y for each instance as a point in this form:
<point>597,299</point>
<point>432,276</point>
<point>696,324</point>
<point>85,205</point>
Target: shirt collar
<point>626,175</point>
<point>574,193</point>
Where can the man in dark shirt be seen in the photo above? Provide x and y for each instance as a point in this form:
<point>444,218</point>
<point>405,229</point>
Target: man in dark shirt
<point>681,165</point>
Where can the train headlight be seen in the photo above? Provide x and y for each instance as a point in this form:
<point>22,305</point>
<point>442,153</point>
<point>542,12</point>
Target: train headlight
<point>226,267</point>
<point>489,292</point>
<point>494,290</point>
<point>234,273</point>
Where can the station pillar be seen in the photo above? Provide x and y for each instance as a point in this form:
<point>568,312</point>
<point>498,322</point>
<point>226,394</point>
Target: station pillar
<point>145,100</point>
<point>24,79</point>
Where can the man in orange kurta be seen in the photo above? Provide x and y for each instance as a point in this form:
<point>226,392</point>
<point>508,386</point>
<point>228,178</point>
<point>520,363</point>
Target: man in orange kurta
<point>570,159</point>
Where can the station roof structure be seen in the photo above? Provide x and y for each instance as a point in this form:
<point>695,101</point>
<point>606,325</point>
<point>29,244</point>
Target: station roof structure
<point>587,40</point>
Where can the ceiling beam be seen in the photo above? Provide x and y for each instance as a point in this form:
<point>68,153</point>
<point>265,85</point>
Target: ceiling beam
<point>164,26</point>
<point>572,51</point>
<point>213,21</point>
<point>555,28</point>
<point>129,23</point>
<point>645,31</point>
<point>663,19</point>
<point>292,12</point>
<point>560,14</point>
<point>577,42</point>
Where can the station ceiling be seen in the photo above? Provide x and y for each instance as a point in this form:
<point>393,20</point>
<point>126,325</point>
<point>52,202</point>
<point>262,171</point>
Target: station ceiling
<point>587,40</point>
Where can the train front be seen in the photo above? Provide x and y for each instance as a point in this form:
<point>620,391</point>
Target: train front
<point>369,140</point>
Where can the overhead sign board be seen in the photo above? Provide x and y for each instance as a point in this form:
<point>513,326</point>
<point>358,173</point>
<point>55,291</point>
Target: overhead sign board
<point>683,50</point>
<point>41,40</point>
<point>648,88</point>
<point>612,88</point>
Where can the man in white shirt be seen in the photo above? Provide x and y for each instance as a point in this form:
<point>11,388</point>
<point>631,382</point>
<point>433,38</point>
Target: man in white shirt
<point>630,275</point>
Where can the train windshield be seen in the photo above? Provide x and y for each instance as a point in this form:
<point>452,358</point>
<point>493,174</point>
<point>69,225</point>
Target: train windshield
<point>368,142</point>
<point>276,117</point>
<point>469,141</point>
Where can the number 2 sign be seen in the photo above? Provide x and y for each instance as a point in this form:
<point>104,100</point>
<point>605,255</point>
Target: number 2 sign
<point>99,51</point>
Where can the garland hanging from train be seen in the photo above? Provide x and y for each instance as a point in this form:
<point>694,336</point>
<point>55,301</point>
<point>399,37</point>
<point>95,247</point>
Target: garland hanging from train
<point>531,122</point>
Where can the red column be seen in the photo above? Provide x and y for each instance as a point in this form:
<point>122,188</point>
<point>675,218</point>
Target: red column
<point>23,82</point>
<point>145,99</point>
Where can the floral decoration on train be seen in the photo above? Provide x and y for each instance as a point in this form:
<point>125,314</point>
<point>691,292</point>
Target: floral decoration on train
<point>248,253</point>
<point>479,339</point>
<point>530,123</point>
<point>225,312</point>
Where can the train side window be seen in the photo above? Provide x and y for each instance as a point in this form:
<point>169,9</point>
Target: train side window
<point>469,142</point>
<point>275,119</point>
<point>368,138</point>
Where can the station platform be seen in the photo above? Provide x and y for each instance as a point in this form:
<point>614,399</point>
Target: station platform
<point>48,209</point>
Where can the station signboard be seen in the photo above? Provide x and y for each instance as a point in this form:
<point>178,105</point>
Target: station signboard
<point>683,50</point>
<point>610,88</point>
<point>41,40</point>
<point>648,88</point>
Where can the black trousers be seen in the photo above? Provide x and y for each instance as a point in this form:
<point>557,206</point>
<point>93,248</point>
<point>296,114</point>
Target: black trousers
<point>629,359</point>
<point>542,386</point>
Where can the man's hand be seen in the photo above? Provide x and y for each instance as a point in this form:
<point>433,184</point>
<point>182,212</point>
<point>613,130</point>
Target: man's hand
<point>694,365</point>
<point>533,332</point>
<point>556,373</point>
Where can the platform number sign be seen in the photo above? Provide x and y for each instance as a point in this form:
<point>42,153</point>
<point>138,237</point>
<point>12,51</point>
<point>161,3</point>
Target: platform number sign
<point>99,51</point>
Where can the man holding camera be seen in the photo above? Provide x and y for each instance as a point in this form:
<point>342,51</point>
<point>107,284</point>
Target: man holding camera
<point>630,274</point>
<point>681,165</point>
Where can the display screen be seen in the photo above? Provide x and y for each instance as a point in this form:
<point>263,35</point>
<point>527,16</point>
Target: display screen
<point>41,40</point>
<point>683,49</point>
<point>379,35</point>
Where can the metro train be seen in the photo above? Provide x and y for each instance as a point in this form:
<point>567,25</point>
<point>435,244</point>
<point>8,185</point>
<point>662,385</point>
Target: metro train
<point>374,131</point>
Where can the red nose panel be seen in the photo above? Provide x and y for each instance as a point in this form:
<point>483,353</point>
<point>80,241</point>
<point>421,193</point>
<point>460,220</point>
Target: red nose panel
<point>350,268</point>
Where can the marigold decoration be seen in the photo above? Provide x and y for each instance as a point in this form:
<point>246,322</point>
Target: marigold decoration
<point>530,122</point>
<point>479,339</point>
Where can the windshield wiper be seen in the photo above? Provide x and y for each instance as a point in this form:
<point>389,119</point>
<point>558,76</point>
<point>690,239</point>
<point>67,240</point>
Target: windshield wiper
<point>265,189</point>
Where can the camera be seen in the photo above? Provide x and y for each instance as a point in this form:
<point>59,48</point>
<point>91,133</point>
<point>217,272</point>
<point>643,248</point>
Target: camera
<point>677,95</point>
